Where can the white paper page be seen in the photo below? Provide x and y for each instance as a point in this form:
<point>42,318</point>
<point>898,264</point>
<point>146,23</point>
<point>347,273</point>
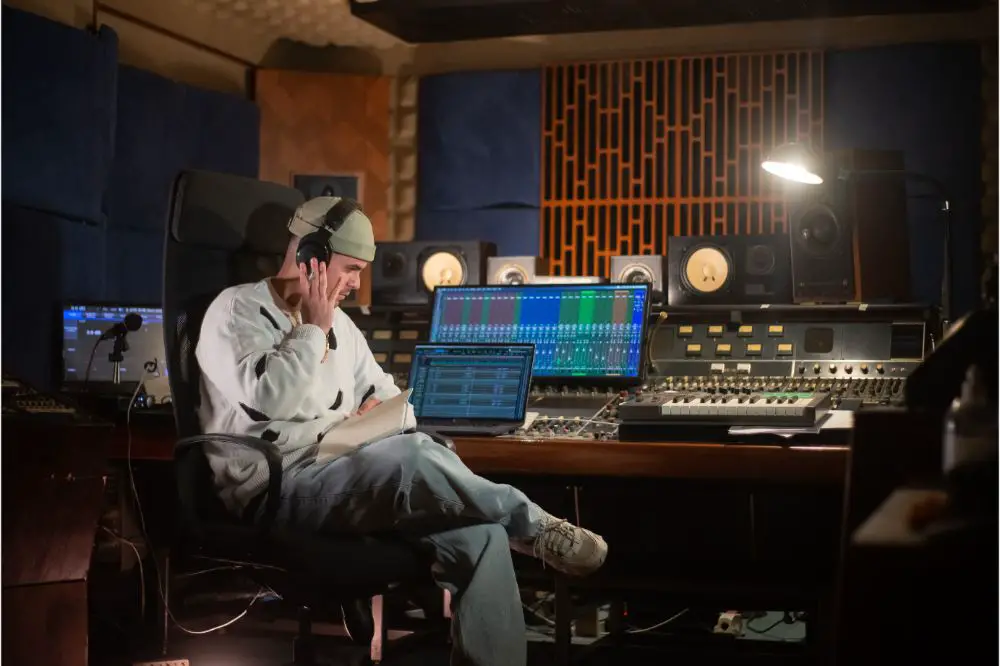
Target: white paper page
<point>384,420</point>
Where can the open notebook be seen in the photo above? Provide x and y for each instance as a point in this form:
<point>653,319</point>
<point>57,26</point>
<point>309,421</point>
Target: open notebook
<point>389,418</point>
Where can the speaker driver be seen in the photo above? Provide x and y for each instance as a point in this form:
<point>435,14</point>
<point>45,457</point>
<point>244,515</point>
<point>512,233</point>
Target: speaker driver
<point>760,260</point>
<point>511,274</point>
<point>706,270</point>
<point>393,264</point>
<point>636,274</point>
<point>443,269</point>
<point>818,231</point>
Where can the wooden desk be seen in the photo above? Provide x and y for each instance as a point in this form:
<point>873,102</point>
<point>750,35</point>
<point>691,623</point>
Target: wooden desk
<point>153,439</point>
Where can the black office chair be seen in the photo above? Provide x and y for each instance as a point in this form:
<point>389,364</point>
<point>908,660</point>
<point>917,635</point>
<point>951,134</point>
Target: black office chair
<point>226,230</point>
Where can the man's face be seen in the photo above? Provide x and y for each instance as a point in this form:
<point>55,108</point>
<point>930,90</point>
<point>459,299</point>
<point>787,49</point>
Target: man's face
<point>343,276</point>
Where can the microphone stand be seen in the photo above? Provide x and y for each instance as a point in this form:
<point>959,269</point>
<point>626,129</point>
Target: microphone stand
<point>117,356</point>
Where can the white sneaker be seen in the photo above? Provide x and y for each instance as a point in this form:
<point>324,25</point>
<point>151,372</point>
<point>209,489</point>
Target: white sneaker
<point>565,547</point>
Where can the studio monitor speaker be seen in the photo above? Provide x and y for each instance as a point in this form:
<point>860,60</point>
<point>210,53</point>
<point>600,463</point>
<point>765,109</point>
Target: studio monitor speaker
<point>407,273</point>
<point>849,242</point>
<point>728,270</point>
<point>515,270</point>
<point>647,268</point>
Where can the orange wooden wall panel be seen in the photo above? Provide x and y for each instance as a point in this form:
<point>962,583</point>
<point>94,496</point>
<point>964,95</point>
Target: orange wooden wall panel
<point>318,124</point>
<point>637,151</point>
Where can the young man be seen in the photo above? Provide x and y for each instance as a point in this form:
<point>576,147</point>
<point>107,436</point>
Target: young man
<point>281,361</point>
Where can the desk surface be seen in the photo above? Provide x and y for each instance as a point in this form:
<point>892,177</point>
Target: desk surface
<point>154,440</point>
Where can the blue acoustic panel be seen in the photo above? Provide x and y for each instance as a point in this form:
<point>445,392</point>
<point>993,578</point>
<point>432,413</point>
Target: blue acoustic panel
<point>59,88</point>
<point>514,230</point>
<point>47,261</point>
<point>479,140</point>
<point>134,272</point>
<point>166,127</point>
<point>925,101</point>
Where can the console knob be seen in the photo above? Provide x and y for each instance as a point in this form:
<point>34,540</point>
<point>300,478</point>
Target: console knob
<point>879,368</point>
<point>802,369</point>
<point>816,368</point>
<point>833,368</point>
<point>848,369</point>
<point>864,368</point>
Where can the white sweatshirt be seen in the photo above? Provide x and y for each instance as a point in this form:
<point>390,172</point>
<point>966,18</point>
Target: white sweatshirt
<point>264,377</point>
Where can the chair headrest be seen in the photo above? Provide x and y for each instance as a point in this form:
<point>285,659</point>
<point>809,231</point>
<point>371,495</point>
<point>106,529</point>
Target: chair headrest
<point>232,213</point>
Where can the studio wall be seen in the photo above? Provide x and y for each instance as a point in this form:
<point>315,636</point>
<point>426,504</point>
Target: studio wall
<point>632,152</point>
<point>328,124</point>
<point>91,150</point>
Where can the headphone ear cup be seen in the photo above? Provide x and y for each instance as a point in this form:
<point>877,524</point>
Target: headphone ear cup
<point>313,246</point>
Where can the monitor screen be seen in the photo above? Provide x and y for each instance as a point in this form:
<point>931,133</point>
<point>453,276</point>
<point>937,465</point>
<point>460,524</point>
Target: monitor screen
<point>580,332</point>
<point>82,326</point>
<point>487,382</point>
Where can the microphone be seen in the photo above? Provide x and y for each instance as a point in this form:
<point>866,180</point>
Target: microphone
<point>131,323</point>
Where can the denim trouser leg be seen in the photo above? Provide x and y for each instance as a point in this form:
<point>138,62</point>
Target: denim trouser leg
<point>412,485</point>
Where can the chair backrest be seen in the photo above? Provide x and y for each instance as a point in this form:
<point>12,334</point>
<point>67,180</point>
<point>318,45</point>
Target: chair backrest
<point>222,230</point>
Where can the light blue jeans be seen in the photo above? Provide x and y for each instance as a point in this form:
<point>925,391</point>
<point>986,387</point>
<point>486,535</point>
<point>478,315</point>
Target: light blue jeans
<point>415,486</point>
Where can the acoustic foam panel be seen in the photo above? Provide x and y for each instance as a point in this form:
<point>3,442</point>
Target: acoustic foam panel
<point>59,104</point>
<point>479,136</point>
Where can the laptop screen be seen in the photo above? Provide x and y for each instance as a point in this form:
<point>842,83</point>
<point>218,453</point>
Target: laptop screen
<point>473,382</point>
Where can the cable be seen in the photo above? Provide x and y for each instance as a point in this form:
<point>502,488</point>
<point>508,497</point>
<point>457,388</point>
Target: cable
<point>142,573</point>
<point>660,318</point>
<point>145,535</point>
<point>90,363</point>
<point>658,624</point>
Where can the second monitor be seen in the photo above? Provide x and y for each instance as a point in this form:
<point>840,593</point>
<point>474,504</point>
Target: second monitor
<point>580,332</point>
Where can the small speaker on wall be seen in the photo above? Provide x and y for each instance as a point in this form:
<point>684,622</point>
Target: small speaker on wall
<point>729,270</point>
<point>343,185</point>
<point>407,273</point>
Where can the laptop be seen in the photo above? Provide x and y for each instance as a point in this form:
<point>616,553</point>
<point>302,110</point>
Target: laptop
<point>471,389</point>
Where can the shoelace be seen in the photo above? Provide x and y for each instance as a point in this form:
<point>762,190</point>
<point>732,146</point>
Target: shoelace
<point>556,537</point>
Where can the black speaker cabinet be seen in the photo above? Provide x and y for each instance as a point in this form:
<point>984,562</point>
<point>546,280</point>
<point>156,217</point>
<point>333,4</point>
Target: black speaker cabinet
<point>407,273</point>
<point>728,270</point>
<point>849,238</point>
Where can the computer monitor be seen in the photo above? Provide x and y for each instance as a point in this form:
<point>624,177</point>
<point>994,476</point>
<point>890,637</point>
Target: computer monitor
<point>582,333</point>
<point>474,382</point>
<point>82,326</point>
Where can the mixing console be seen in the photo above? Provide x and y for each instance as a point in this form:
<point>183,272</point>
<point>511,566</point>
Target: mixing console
<point>20,400</point>
<point>731,408</point>
<point>590,414</point>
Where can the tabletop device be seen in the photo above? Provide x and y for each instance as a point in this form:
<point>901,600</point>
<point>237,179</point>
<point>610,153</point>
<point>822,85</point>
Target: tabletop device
<point>87,325</point>
<point>469,388</point>
<point>590,334</point>
<point>772,409</point>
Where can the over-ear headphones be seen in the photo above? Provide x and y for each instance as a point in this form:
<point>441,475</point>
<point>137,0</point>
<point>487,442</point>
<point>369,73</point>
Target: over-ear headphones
<point>316,245</point>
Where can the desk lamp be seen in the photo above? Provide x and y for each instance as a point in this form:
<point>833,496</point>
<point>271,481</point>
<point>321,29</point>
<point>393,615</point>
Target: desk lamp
<point>798,163</point>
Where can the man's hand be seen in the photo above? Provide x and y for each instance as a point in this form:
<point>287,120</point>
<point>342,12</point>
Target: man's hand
<point>369,404</point>
<point>316,306</point>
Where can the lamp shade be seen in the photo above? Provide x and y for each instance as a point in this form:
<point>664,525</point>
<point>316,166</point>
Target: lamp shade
<point>795,162</point>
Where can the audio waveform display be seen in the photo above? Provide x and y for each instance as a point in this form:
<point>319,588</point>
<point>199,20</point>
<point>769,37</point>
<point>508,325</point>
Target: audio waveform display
<point>579,331</point>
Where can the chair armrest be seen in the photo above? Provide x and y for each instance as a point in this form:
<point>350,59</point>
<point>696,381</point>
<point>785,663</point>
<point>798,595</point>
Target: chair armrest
<point>268,450</point>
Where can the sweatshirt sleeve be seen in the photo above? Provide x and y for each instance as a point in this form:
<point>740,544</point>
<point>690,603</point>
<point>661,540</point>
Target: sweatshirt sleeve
<point>371,379</point>
<point>269,381</point>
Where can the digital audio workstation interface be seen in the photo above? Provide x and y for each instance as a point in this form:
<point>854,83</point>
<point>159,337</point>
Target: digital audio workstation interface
<point>470,381</point>
<point>82,326</point>
<point>579,331</point>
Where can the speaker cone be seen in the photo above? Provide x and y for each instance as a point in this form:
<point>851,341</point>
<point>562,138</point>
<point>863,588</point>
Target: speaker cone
<point>818,230</point>
<point>393,264</point>
<point>706,270</point>
<point>510,274</point>
<point>442,269</point>
<point>636,274</point>
<point>760,260</point>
